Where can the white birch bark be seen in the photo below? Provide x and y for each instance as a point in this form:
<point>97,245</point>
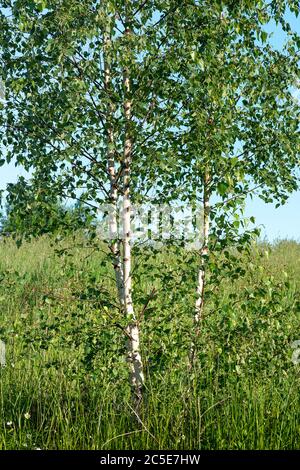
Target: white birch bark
<point>114,245</point>
<point>132,329</point>
<point>203,252</point>
<point>199,305</point>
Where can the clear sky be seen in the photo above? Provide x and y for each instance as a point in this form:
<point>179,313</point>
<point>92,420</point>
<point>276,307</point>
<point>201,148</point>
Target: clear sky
<point>283,222</point>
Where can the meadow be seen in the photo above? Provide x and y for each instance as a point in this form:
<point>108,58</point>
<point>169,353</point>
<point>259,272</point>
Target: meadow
<point>65,383</point>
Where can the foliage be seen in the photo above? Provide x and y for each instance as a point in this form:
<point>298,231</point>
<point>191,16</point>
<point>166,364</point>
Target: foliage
<point>191,103</point>
<point>37,214</point>
<point>209,93</point>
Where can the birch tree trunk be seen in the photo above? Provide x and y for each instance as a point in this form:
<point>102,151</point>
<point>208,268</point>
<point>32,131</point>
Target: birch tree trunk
<point>204,251</point>
<point>132,329</point>
<point>114,242</point>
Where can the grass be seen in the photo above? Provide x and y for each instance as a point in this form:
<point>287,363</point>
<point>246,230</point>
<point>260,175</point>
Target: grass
<point>65,385</point>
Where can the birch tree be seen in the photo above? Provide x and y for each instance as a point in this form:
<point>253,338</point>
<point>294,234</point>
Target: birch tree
<point>238,132</point>
<point>126,101</point>
<point>87,101</point>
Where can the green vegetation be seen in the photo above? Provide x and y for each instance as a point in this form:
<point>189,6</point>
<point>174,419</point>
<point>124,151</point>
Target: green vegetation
<point>118,106</point>
<point>65,385</point>
<point>43,216</point>
<point>123,103</point>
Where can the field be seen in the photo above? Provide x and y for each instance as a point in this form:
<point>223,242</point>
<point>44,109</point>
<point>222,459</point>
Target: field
<point>65,382</point>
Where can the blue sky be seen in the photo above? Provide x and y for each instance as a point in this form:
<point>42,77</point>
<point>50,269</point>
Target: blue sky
<point>283,222</point>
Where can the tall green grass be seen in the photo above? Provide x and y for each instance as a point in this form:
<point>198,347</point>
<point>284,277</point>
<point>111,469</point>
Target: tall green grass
<point>65,385</point>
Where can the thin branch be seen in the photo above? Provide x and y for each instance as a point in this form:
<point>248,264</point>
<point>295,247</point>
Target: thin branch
<point>150,297</point>
<point>244,193</point>
<point>139,8</point>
